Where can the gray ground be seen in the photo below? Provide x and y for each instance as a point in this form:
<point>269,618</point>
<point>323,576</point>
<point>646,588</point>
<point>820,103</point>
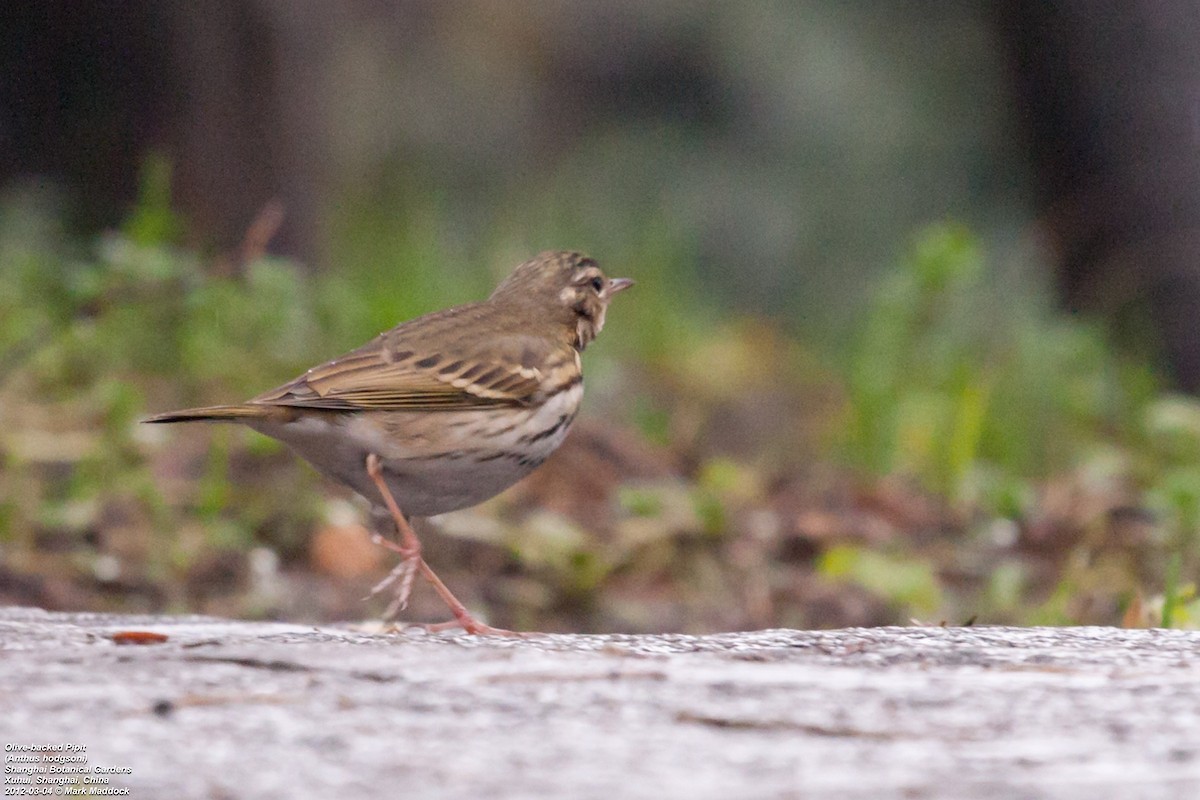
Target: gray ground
<point>248,710</point>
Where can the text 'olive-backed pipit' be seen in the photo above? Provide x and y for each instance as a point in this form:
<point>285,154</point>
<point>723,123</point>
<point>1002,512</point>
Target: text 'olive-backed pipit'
<point>446,410</point>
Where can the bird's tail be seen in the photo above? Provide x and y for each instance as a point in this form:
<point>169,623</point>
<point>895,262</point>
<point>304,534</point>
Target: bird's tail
<point>212,414</point>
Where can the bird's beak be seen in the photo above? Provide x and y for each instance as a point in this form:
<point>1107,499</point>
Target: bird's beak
<point>618,285</point>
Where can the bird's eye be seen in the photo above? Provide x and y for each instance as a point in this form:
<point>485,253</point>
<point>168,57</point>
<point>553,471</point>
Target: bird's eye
<point>597,283</point>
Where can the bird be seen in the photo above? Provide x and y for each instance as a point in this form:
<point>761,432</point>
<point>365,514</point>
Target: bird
<point>445,410</point>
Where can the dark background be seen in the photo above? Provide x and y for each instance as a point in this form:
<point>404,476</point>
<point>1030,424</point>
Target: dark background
<point>794,144</point>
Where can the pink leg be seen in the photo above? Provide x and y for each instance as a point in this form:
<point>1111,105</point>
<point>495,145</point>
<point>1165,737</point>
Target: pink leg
<point>412,563</point>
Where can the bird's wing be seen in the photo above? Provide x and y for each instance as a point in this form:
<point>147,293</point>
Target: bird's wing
<point>385,375</point>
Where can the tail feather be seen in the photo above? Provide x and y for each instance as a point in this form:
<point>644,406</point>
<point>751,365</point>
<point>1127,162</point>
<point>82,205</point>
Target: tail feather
<point>211,414</point>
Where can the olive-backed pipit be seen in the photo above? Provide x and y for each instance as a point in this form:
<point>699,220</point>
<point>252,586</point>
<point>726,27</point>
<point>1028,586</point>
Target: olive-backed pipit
<point>446,410</point>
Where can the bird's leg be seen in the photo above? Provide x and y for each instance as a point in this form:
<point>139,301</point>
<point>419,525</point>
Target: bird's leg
<point>409,550</point>
<point>412,562</point>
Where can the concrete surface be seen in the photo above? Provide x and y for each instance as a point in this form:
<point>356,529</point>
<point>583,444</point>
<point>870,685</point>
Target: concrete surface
<point>226,709</point>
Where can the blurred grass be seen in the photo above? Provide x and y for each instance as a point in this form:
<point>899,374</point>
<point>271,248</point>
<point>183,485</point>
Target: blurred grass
<point>961,386</point>
<point>966,454</point>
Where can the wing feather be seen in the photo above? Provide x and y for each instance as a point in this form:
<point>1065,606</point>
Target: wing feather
<point>391,373</point>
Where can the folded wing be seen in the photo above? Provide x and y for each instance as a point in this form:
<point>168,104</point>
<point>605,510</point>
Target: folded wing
<point>384,376</point>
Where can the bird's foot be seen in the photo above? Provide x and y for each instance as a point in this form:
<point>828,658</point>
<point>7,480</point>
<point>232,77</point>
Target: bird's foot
<point>400,578</point>
<point>470,625</point>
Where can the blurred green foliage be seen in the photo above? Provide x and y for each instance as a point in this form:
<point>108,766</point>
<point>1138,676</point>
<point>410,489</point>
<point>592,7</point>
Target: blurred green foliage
<point>969,390</point>
<point>911,583</point>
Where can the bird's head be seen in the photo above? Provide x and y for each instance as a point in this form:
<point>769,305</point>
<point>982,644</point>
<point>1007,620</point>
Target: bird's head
<point>570,286</point>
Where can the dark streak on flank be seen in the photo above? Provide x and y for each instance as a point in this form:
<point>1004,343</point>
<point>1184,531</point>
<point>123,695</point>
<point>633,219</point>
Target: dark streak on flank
<point>500,432</point>
<point>449,455</point>
<point>531,438</point>
<point>520,458</point>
